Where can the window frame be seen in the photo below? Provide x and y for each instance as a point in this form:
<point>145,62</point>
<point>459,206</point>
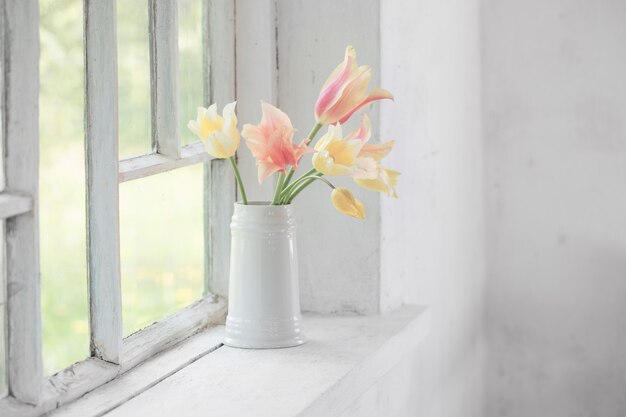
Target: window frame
<point>29,392</point>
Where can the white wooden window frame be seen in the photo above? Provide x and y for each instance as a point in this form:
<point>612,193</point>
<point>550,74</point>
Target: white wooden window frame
<point>29,392</point>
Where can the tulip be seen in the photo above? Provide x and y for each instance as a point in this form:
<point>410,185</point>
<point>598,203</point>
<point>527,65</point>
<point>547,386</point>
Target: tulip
<point>370,174</point>
<point>271,142</point>
<point>367,165</point>
<point>345,91</point>
<point>385,181</point>
<point>219,134</point>
<point>367,170</point>
<point>345,202</point>
<point>376,151</point>
<point>350,155</point>
<point>336,155</point>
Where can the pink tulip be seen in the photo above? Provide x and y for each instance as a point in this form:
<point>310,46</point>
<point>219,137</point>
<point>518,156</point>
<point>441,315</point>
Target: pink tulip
<point>345,91</point>
<point>271,142</point>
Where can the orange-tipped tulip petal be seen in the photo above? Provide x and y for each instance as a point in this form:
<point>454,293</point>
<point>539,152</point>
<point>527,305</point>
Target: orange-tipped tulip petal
<point>345,202</point>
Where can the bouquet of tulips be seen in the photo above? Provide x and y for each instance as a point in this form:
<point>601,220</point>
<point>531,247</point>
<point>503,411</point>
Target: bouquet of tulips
<point>271,141</point>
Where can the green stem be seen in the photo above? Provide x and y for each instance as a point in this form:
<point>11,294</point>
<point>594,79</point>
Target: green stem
<point>242,191</point>
<point>313,132</point>
<point>324,180</point>
<point>310,179</point>
<point>285,197</point>
<point>279,187</point>
<point>303,186</point>
<point>309,138</point>
<point>288,189</point>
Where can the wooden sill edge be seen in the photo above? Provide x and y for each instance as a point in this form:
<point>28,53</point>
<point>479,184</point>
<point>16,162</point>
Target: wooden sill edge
<point>344,357</point>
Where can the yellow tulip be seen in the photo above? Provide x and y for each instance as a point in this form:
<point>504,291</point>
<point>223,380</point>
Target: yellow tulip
<point>377,151</point>
<point>384,182</point>
<point>345,202</point>
<point>218,133</point>
<point>336,155</point>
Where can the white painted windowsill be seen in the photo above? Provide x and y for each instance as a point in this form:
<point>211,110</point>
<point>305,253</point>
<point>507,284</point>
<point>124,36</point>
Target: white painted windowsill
<point>344,356</point>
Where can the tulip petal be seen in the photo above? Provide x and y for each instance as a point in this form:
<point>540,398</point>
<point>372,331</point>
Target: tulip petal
<point>377,94</point>
<point>335,85</point>
<point>220,139</point>
<point>349,60</point>
<point>352,95</point>
<point>229,110</point>
<point>325,164</point>
<point>334,131</point>
<point>385,182</point>
<point>364,132</point>
<point>271,142</point>
<point>365,168</point>
<point>345,202</point>
<point>336,155</point>
<point>345,91</point>
<point>265,169</point>
<point>229,143</point>
<point>193,126</point>
<point>273,116</point>
<point>212,111</point>
<point>377,151</point>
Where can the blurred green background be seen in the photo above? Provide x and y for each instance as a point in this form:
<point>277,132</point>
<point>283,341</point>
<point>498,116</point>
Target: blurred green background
<point>161,218</point>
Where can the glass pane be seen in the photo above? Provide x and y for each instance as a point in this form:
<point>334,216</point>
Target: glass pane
<point>62,185</point>
<point>190,64</point>
<point>161,226</point>
<point>133,62</point>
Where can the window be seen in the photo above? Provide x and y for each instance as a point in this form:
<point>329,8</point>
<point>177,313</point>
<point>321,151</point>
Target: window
<point>156,159</point>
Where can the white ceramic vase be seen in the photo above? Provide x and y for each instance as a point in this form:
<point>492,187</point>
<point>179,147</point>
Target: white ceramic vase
<point>263,295</point>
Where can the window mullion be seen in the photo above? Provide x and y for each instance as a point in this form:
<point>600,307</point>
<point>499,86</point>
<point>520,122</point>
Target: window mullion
<point>164,77</point>
<point>21,95</point>
<point>101,145</point>
<point>220,188</point>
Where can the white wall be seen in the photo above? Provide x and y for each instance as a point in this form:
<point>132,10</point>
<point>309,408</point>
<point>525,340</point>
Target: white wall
<point>339,256</point>
<point>555,123</point>
<point>432,236</point>
<point>551,79</point>
<point>429,249</point>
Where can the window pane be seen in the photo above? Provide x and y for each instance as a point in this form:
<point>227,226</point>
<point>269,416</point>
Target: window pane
<point>161,245</point>
<point>133,61</point>
<point>62,185</point>
<point>190,64</point>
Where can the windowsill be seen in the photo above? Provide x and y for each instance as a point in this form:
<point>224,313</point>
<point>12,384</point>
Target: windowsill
<point>345,355</point>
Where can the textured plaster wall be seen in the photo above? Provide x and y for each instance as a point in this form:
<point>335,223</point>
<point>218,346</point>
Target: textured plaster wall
<point>510,128</point>
<point>339,256</point>
<point>432,237</point>
<point>427,246</point>
<point>555,136</point>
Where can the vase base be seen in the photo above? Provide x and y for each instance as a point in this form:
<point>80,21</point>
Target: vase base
<point>263,334</point>
<point>246,344</point>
